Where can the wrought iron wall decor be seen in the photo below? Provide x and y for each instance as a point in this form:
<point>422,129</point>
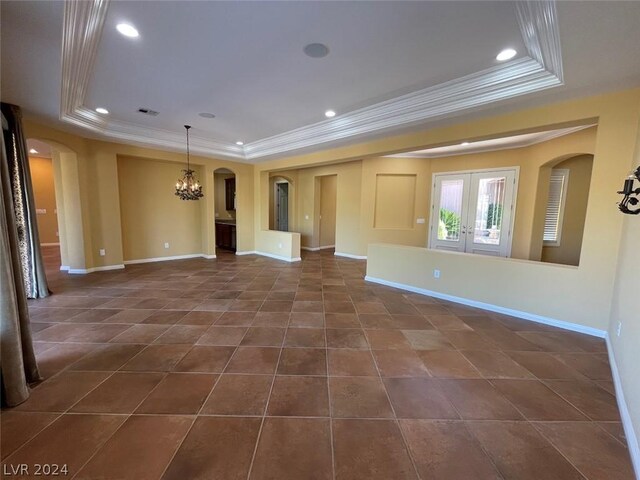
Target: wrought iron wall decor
<point>188,187</point>
<point>631,196</point>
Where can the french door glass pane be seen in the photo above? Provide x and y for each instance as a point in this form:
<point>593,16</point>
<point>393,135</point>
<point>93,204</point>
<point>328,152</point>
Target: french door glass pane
<point>451,192</point>
<point>488,221</point>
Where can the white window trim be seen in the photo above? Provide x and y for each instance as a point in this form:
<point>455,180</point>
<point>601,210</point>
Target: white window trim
<point>563,202</point>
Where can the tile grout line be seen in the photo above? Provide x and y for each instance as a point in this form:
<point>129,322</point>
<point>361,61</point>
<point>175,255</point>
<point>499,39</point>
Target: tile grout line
<point>330,404</point>
<point>393,410</point>
<point>266,405</point>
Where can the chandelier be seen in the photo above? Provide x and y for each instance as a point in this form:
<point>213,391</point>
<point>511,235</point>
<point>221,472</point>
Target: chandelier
<point>188,187</point>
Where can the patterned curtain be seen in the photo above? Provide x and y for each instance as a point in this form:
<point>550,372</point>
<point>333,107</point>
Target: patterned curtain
<point>18,367</point>
<point>33,273</point>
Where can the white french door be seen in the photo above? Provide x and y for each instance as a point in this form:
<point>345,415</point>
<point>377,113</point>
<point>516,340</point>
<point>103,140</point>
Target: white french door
<point>472,212</point>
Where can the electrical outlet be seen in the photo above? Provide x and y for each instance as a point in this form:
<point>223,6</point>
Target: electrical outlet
<point>619,329</point>
<point>166,244</point>
<point>279,245</point>
<point>306,217</point>
<point>217,214</point>
<point>103,252</point>
<point>57,234</point>
<point>436,273</point>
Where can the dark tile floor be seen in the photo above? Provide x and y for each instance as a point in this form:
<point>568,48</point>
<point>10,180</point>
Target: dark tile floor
<point>246,367</point>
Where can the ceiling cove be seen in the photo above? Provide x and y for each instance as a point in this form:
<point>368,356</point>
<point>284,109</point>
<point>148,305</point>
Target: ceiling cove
<point>540,69</point>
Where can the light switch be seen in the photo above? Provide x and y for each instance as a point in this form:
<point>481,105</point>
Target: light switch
<point>420,220</point>
<point>41,211</point>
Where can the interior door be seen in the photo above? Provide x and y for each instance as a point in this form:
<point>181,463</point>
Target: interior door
<point>449,208</point>
<point>282,207</point>
<point>472,212</point>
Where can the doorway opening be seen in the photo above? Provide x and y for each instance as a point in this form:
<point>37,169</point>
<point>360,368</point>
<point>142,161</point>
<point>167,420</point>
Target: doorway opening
<point>225,209</point>
<point>281,205</point>
<point>326,205</point>
<point>55,179</point>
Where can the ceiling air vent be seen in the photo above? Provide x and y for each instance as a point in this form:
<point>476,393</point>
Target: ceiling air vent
<point>148,111</point>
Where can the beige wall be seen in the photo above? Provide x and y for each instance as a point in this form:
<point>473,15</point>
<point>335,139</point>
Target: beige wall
<point>304,204</point>
<point>328,195</point>
<point>94,196</point>
<point>45,198</point>
<point>626,311</point>
<point>572,228</point>
<point>151,214</point>
<point>399,190</point>
<point>581,295</point>
<point>413,204</point>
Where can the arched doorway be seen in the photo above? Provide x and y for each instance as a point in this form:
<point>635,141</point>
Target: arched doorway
<point>564,194</point>
<point>225,209</point>
<point>280,203</point>
<point>55,177</point>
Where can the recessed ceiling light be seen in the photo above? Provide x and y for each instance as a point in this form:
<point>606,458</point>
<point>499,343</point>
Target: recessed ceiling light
<point>207,115</point>
<point>103,111</point>
<point>329,114</point>
<point>33,150</point>
<point>506,54</point>
<point>127,30</point>
<point>316,50</point>
<point>239,143</point>
<point>464,143</point>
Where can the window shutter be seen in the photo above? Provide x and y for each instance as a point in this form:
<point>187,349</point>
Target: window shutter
<point>555,206</point>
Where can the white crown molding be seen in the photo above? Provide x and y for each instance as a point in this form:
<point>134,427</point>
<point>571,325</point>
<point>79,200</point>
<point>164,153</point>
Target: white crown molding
<point>541,69</point>
<point>470,149</point>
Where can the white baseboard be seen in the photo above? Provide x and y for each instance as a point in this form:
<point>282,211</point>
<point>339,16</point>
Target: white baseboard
<point>326,247</point>
<point>164,259</point>
<point>208,257</point>
<point>279,257</point>
<point>349,255</point>
<point>80,271</point>
<point>625,416</point>
<point>574,327</point>
<point>247,252</point>
<point>310,249</point>
<point>55,244</point>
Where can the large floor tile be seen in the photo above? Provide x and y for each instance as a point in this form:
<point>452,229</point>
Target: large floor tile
<point>293,448</point>
<point>418,398</point>
<point>536,401</point>
<point>19,427</point>
<point>446,450</point>
<point>216,447</point>
<point>590,449</point>
<point>71,440</point>
<point>62,391</point>
<point>358,397</point>
<point>370,450</point>
<point>239,395</point>
<point>521,453</point>
<point>120,393</point>
<point>299,396</point>
<point>141,449</point>
<point>179,393</point>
